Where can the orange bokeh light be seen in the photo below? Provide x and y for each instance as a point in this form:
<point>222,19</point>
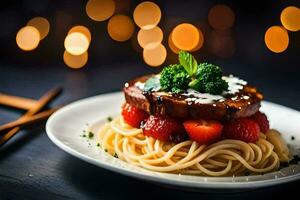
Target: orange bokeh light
<point>100,10</point>
<point>290,18</point>
<point>41,24</point>
<point>277,39</point>
<point>222,44</point>
<point>150,38</point>
<point>147,15</point>
<point>120,27</point>
<point>75,62</point>
<point>81,29</point>
<point>76,43</point>
<point>155,56</point>
<point>28,38</point>
<point>171,44</point>
<point>186,36</point>
<point>221,17</point>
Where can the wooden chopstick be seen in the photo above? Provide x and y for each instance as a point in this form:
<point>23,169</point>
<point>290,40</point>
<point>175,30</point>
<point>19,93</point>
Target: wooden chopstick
<point>17,102</point>
<point>28,120</point>
<point>43,101</point>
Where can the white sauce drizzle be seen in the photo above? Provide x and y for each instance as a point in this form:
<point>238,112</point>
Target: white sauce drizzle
<point>235,85</point>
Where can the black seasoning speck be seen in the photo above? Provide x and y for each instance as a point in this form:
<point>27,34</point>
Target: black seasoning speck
<point>292,138</point>
<point>98,144</point>
<point>116,155</point>
<point>91,134</point>
<point>105,150</point>
<point>109,119</point>
<point>83,135</point>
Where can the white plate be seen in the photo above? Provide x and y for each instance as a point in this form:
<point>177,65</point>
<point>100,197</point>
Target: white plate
<point>66,125</point>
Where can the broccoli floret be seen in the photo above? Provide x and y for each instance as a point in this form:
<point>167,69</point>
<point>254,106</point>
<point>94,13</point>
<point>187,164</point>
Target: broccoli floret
<point>174,78</point>
<point>208,72</point>
<point>216,87</point>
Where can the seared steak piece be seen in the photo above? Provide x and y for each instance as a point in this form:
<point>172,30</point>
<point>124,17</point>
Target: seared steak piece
<point>243,103</point>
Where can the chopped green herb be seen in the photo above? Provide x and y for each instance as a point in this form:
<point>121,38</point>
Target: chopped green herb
<point>116,155</point>
<point>98,144</point>
<point>109,119</point>
<point>105,150</point>
<point>91,134</point>
<point>83,135</point>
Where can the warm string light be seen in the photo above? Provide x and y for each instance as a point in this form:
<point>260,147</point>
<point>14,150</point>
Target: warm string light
<point>187,37</point>
<point>147,15</point>
<point>150,38</point>
<point>120,27</point>
<point>155,56</point>
<point>29,36</point>
<point>41,24</point>
<point>76,44</point>
<point>277,39</point>
<point>221,18</point>
<point>81,29</point>
<point>100,10</point>
<point>290,18</point>
<point>75,62</point>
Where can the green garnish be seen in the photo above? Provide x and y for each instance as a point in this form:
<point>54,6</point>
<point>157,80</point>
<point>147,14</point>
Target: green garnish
<point>116,155</point>
<point>109,119</point>
<point>176,78</point>
<point>98,144</point>
<point>189,63</point>
<point>83,135</point>
<point>105,150</point>
<point>91,134</point>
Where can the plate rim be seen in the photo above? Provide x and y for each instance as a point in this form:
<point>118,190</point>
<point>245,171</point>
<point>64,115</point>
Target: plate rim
<point>151,178</point>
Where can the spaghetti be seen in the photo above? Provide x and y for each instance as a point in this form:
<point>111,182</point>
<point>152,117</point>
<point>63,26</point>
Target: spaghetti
<point>223,158</point>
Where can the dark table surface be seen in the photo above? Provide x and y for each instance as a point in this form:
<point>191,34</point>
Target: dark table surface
<point>32,167</point>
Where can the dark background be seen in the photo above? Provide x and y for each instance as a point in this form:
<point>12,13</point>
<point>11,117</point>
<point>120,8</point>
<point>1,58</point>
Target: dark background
<point>32,167</point>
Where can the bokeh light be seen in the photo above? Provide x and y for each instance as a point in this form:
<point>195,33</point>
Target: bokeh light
<point>155,56</point>
<point>28,38</point>
<point>277,39</point>
<point>200,42</point>
<point>76,43</point>
<point>290,18</point>
<point>150,38</point>
<point>222,44</point>
<point>147,15</point>
<point>221,17</point>
<point>100,10</point>
<point>41,24</point>
<point>75,62</point>
<point>186,36</point>
<point>120,27</point>
<point>81,29</point>
<point>172,45</point>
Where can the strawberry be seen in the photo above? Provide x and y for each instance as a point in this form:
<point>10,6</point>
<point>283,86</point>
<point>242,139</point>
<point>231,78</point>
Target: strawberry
<point>244,129</point>
<point>203,131</point>
<point>163,128</point>
<point>262,121</point>
<point>133,115</point>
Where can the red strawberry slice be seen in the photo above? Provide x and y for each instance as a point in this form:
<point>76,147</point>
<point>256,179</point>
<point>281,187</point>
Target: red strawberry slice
<point>262,121</point>
<point>163,128</point>
<point>133,115</point>
<point>203,131</point>
<point>244,129</point>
